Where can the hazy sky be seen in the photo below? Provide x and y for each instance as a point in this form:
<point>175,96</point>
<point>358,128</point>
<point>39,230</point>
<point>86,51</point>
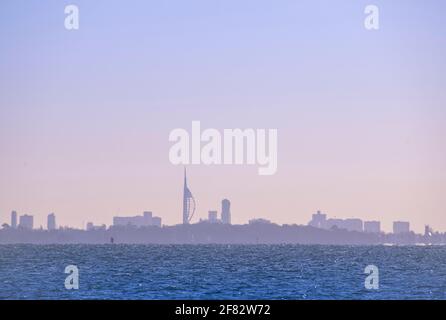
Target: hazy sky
<point>85,115</point>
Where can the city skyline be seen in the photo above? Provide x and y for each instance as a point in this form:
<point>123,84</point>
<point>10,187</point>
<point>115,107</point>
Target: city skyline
<point>148,229</point>
<point>189,207</point>
<point>319,219</point>
<point>26,221</point>
<point>349,224</point>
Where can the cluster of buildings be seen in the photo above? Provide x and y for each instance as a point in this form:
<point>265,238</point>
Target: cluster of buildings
<point>146,220</point>
<point>225,214</point>
<point>319,220</point>
<point>27,221</point>
<point>92,227</point>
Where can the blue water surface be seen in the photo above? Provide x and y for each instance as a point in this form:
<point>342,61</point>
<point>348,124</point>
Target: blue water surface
<point>221,272</point>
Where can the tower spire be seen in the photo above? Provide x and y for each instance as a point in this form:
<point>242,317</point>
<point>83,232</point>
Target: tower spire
<point>188,202</point>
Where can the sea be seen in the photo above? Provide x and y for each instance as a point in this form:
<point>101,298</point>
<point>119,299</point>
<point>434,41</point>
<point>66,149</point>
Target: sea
<point>120,271</point>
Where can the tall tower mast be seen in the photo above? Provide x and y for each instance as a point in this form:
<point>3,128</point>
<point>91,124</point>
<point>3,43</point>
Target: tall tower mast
<point>188,202</point>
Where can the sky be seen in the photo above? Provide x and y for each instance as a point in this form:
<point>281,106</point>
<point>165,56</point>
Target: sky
<point>85,115</point>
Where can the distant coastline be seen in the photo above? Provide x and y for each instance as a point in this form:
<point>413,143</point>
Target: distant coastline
<point>208,233</point>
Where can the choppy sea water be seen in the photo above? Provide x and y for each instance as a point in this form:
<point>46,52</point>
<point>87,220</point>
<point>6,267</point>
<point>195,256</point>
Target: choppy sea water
<point>221,272</point>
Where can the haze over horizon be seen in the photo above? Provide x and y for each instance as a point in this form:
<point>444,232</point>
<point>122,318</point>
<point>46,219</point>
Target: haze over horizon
<point>85,115</point>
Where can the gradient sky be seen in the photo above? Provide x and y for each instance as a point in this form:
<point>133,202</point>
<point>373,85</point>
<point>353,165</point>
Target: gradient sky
<point>361,115</point>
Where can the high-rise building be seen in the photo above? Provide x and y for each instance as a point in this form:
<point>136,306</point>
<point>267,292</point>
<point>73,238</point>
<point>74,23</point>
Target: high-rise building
<point>51,222</point>
<point>226,211</point>
<point>334,223</point>
<point>26,222</point>
<point>156,221</point>
<point>213,217</point>
<point>13,219</point>
<point>353,225</point>
<point>401,227</point>
<point>147,216</point>
<point>188,202</point>
<point>318,220</point>
<point>372,226</point>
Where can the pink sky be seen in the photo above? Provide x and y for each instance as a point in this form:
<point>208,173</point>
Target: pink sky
<point>85,116</point>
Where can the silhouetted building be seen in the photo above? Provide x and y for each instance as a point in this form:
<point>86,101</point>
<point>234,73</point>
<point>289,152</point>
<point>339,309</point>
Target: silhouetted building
<point>353,225</point>
<point>334,223</point>
<point>136,221</point>
<point>213,216</point>
<point>188,202</point>
<point>146,220</point>
<point>347,224</point>
<point>156,221</point>
<point>372,226</point>
<point>401,227</point>
<point>92,227</point>
<point>26,221</point>
<point>148,217</point>
<point>226,211</point>
<point>318,220</point>
<point>51,222</point>
<point>13,219</point>
<point>259,221</point>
